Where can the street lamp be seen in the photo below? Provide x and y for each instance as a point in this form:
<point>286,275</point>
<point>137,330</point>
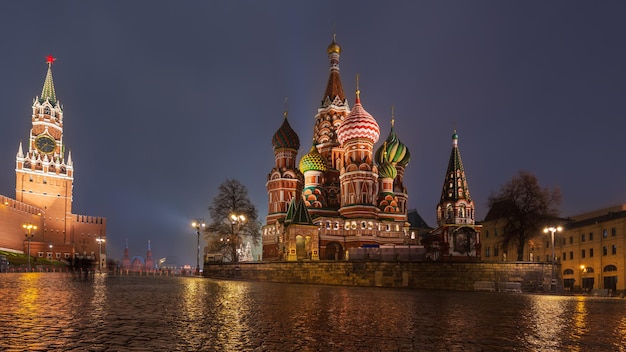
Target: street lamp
<point>100,240</point>
<point>197,224</point>
<point>236,220</point>
<point>552,230</point>
<point>29,236</point>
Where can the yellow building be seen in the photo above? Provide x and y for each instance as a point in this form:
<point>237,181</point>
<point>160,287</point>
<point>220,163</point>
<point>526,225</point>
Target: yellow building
<point>590,249</point>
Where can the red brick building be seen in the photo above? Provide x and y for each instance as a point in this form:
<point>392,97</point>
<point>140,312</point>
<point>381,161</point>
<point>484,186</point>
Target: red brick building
<point>43,192</point>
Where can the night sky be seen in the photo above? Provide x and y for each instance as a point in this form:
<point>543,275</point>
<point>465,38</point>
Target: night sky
<point>165,100</point>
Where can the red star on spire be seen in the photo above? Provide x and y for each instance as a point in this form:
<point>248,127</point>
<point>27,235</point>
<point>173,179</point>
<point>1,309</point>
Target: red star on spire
<point>50,59</point>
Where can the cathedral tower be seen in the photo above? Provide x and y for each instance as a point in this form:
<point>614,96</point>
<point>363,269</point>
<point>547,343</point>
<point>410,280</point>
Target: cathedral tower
<point>393,196</point>
<point>457,235</point>
<point>285,181</point>
<point>329,116</point>
<point>358,174</point>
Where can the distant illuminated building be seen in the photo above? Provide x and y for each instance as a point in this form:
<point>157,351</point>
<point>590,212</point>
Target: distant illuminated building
<point>138,263</point>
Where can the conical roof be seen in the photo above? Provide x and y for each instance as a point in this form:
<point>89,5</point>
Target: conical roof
<point>47,92</point>
<point>455,183</point>
<point>334,88</point>
<point>297,213</point>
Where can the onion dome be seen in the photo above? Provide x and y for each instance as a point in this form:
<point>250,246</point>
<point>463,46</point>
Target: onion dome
<point>386,169</point>
<point>397,152</point>
<point>286,137</point>
<point>312,160</point>
<point>333,48</point>
<point>358,124</point>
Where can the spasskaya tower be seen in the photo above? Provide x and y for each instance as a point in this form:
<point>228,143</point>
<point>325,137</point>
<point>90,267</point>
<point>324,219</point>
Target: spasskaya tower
<point>45,180</point>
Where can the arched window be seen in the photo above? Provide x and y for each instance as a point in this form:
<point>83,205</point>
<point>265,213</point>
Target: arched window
<point>610,268</point>
<point>568,272</point>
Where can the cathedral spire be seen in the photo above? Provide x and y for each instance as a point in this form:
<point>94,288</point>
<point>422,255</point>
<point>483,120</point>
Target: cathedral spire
<point>455,184</point>
<point>48,93</point>
<point>334,88</point>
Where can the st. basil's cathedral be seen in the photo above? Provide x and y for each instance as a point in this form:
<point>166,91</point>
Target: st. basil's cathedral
<point>345,194</point>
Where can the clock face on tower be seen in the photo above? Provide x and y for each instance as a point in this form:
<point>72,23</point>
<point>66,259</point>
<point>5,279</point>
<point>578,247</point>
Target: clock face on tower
<point>45,144</point>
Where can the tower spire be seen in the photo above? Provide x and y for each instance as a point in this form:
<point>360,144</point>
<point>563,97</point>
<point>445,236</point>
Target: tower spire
<point>47,92</point>
<point>334,88</point>
<point>455,183</point>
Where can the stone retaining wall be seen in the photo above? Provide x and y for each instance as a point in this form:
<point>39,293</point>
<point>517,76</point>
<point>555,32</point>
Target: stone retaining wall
<point>533,277</point>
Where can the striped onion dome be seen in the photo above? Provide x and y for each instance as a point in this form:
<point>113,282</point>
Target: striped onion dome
<point>358,124</point>
<point>312,160</point>
<point>397,152</point>
<point>286,137</point>
<point>387,170</point>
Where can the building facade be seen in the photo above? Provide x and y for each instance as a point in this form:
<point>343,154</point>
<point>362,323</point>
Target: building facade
<point>344,193</point>
<point>44,186</point>
<point>590,249</point>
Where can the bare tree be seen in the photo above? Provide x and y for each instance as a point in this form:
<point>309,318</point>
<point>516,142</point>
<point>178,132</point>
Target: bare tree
<point>525,208</point>
<point>233,217</point>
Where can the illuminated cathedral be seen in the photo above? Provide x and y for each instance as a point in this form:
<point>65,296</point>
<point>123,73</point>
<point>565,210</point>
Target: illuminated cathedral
<point>343,193</point>
<point>346,194</point>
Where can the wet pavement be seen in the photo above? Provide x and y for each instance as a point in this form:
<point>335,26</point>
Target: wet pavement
<point>60,312</point>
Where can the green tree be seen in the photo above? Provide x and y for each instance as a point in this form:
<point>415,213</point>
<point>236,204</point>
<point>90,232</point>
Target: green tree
<point>233,218</point>
<point>525,208</point>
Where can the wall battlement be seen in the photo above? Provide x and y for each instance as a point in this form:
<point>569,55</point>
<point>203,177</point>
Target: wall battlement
<point>20,206</point>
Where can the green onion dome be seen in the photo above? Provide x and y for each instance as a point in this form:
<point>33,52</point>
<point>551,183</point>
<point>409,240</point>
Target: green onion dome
<point>312,160</point>
<point>387,170</point>
<point>397,152</point>
<point>286,137</point>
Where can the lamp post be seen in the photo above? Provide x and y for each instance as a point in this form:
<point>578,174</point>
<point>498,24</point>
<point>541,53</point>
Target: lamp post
<point>100,240</point>
<point>552,230</point>
<point>197,224</point>
<point>236,221</point>
<point>30,228</point>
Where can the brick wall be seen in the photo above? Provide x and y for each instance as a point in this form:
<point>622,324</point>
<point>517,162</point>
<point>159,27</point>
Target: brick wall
<point>14,214</point>
<point>421,275</point>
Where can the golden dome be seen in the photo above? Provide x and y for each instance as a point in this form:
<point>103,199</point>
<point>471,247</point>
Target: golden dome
<point>333,48</point>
